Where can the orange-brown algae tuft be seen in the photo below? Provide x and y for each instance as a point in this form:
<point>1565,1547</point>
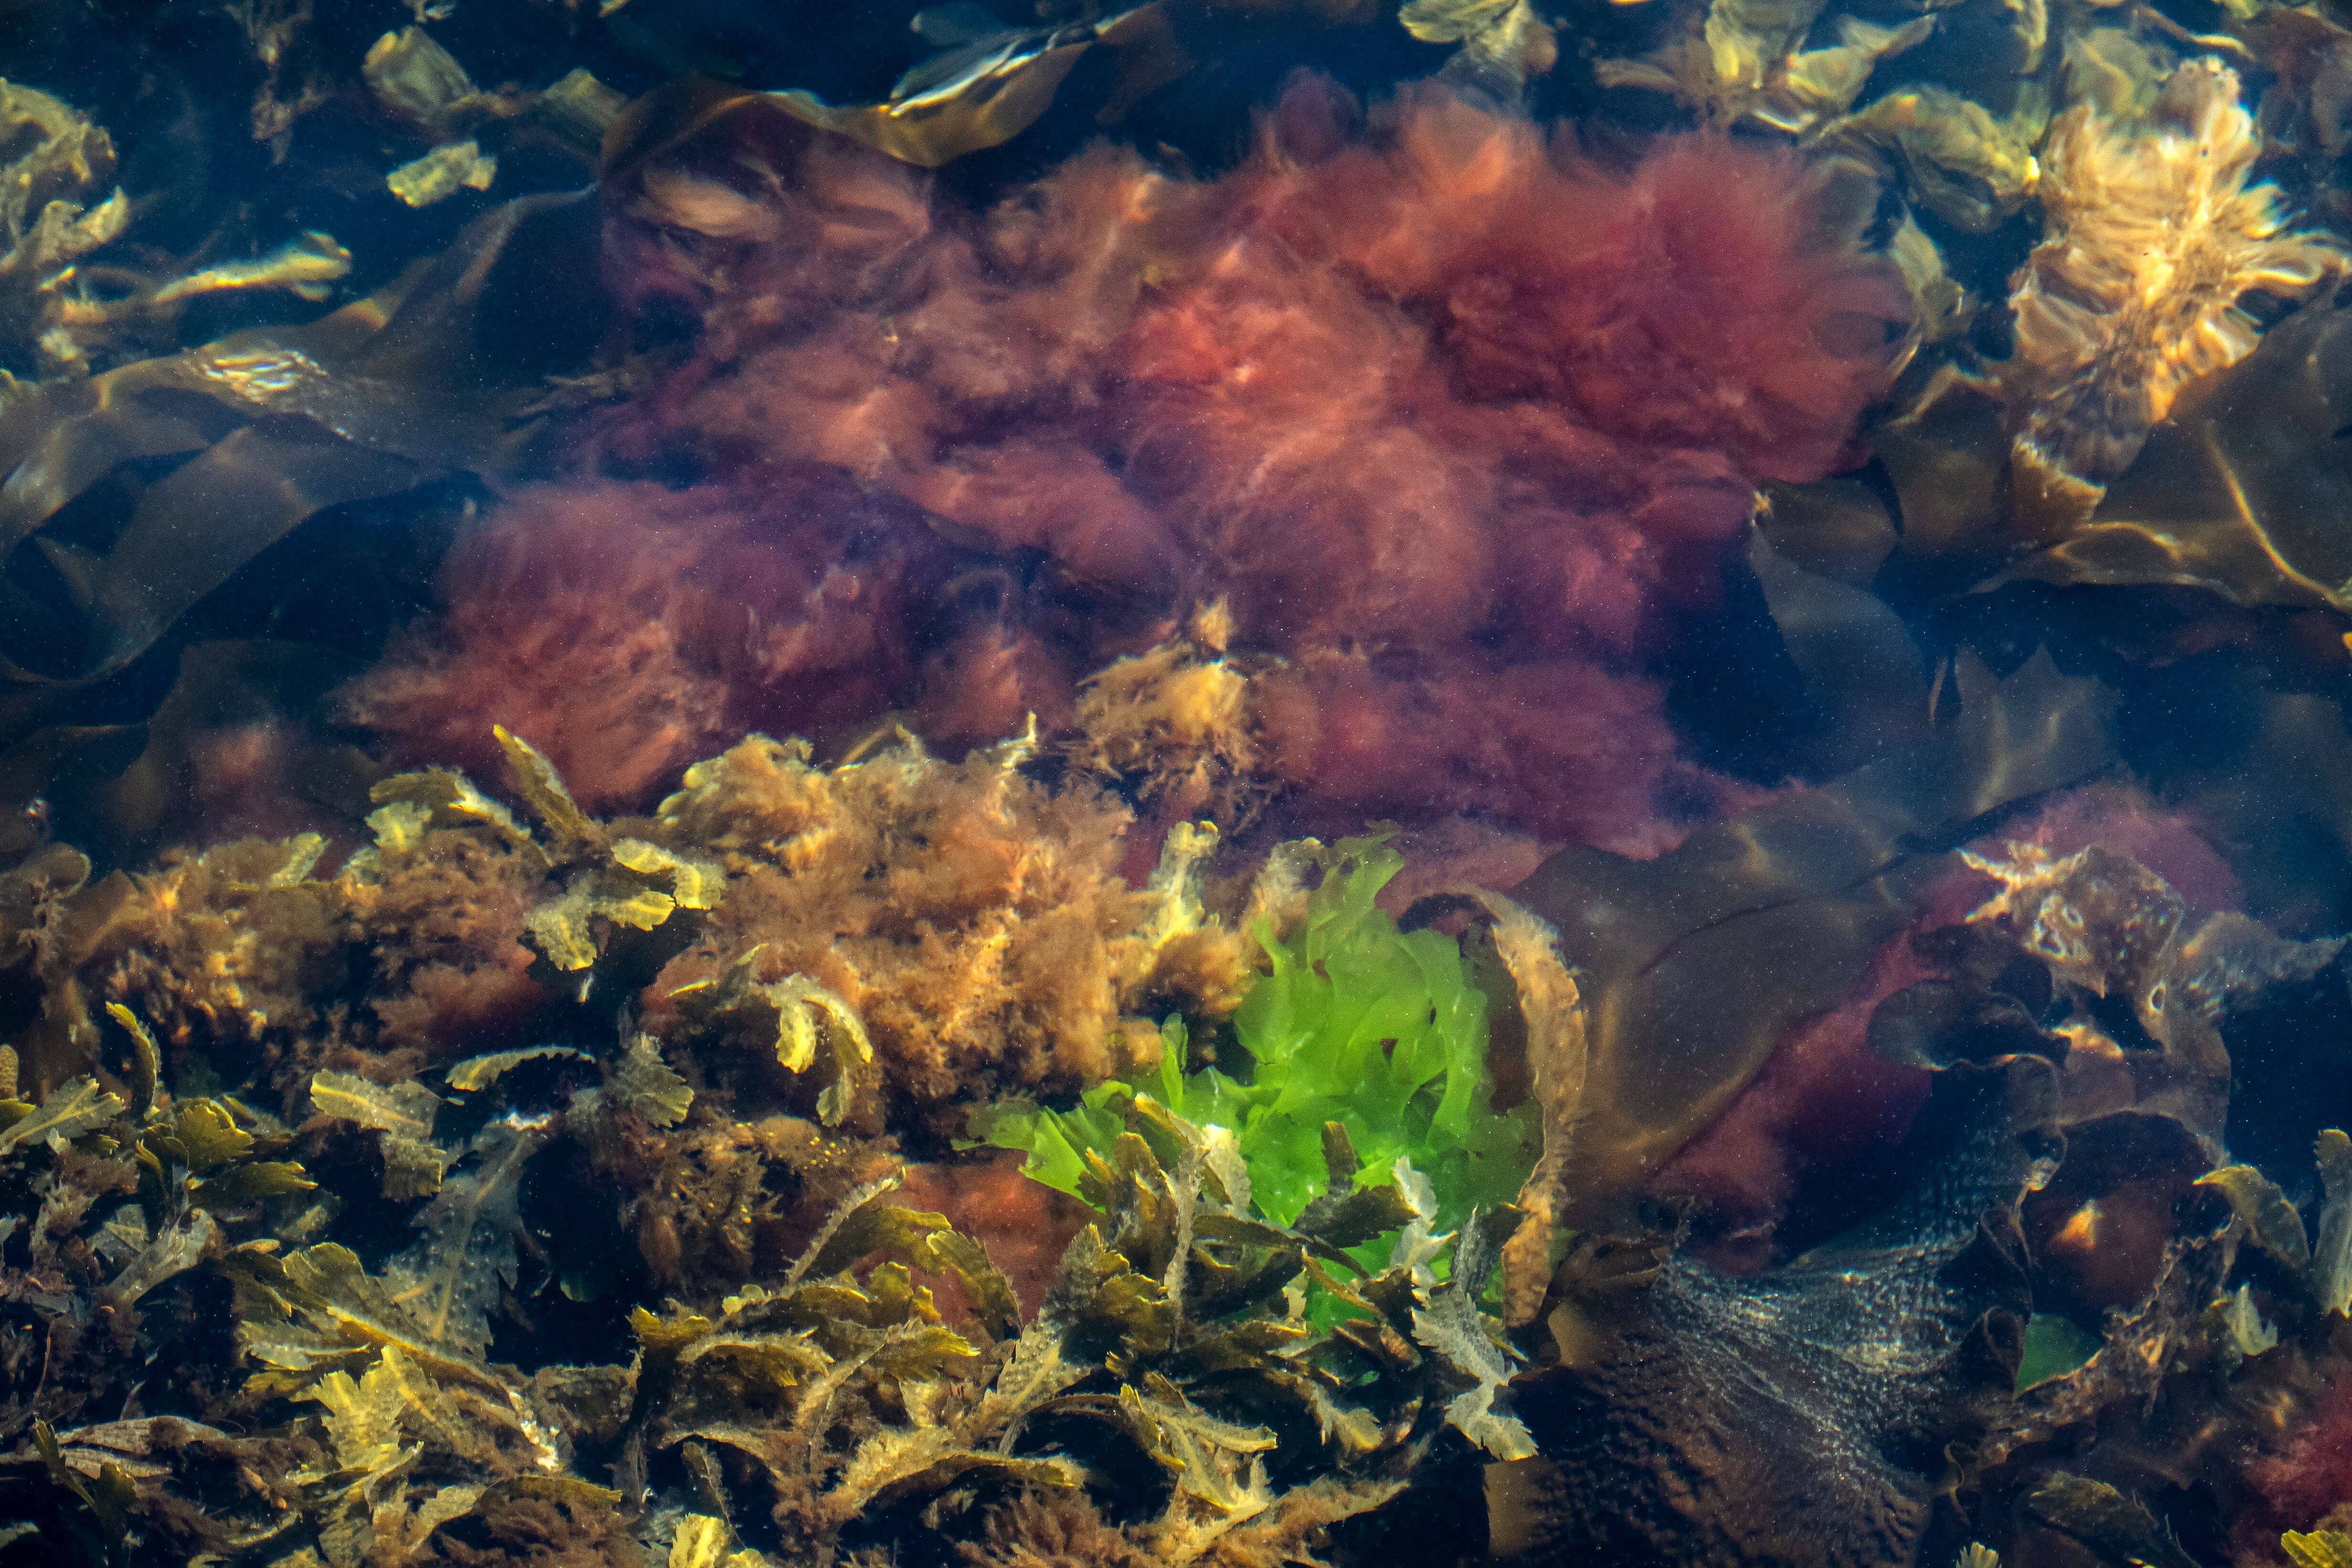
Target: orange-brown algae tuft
<point>967,915</point>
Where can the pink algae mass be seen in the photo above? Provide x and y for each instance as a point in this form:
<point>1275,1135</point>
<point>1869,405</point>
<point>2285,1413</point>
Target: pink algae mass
<point>626,629</point>
<point>1459,420</point>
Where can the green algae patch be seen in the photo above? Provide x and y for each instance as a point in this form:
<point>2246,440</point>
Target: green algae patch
<point>1354,1024</point>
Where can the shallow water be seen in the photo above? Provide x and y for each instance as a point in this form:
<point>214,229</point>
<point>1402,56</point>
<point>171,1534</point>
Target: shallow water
<point>1228,783</point>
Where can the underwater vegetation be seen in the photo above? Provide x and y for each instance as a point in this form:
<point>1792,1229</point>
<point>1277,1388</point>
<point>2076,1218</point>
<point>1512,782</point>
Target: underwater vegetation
<point>836,1399</point>
<point>1293,783</point>
<point>1180,1277</point>
<point>1544,453</point>
<point>956,922</point>
<point>1271,1316</point>
<point>1353,1025</point>
<point>609,625</point>
<point>2110,326</point>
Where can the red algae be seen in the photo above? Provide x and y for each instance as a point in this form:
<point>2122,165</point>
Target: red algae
<point>1825,1099</point>
<point>1460,738</point>
<point>1457,420</point>
<point>626,629</point>
<point>2305,1479</point>
<point>2178,846</point>
<point>1024,1225</point>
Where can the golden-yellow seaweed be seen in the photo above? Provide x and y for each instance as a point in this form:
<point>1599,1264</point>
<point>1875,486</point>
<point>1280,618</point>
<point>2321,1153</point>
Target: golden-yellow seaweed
<point>968,918</point>
<point>54,206</point>
<point>1179,722</point>
<point>2154,234</point>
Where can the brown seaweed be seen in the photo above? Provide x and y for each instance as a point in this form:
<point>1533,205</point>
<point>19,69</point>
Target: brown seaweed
<point>1179,722</point>
<point>2109,931</point>
<point>870,945</point>
<point>1698,961</point>
<point>2198,1291</point>
<point>980,92</point>
<point>2222,499</point>
<point>2230,492</point>
<point>1811,1415</point>
<point>2154,239</point>
<point>254,434</point>
<point>2095,963</point>
<point>53,208</point>
<point>825,1410</point>
<point>962,914</point>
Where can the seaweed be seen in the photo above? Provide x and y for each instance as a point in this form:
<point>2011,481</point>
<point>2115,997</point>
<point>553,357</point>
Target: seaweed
<point>805,1013</point>
<point>2184,1295</point>
<point>1745,61</point>
<point>452,1276</point>
<point>76,294</point>
<point>1178,723</point>
<point>2063,419</point>
<point>1696,964</point>
<point>1354,1024</point>
<point>112,1209</point>
<point>831,1410</point>
<point>228,950</point>
<point>2317,1549</point>
<point>1502,43</point>
<point>2110,326</point>
<point>43,226</point>
<point>761,859</point>
<point>612,1082</point>
<point>2106,1520</point>
<point>194,463</point>
<point>403,1112</point>
<point>956,923</point>
<point>1495,536</point>
<point>243,955</point>
<point>780,1370</point>
<point>1810,1415</point>
<point>66,1112</point>
<point>985,89</point>
<point>2211,506</point>
<point>1559,1049</point>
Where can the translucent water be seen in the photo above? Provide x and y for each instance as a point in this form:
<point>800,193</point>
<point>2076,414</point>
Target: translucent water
<point>1225,782</point>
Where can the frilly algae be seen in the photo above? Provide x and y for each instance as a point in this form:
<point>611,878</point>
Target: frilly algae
<point>967,915</point>
<point>1179,722</point>
<point>53,208</point>
<point>2155,235</point>
<point>57,219</point>
<point>903,931</point>
<point>1503,43</point>
<point>2161,259</point>
<point>423,85</point>
<point>828,1410</point>
<point>1746,60</point>
<point>1353,1025</point>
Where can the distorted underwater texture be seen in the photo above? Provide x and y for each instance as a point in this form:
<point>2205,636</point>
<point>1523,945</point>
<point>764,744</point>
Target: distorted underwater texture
<point>1522,785</point>
<point>1439,459</point>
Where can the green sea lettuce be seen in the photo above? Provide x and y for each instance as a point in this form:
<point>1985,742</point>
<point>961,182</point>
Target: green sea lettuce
<point>1354,1022</point>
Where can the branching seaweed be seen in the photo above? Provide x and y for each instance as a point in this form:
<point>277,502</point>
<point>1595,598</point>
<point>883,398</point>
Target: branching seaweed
<point>833,1407</point>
